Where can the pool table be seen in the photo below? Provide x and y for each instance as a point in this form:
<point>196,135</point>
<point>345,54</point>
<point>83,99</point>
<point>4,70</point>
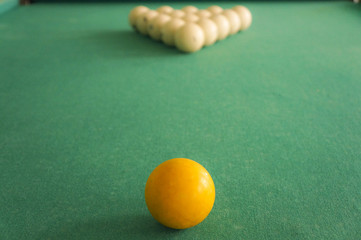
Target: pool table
<point>88,108</point>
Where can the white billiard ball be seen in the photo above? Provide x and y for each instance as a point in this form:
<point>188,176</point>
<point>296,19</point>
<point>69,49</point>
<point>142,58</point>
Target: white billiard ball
<point>165,9</point>
<point>203,13</point>
<point>156,24</point>
<point>245,16</point>
<point>210,31</point>
<point>234,20</point>
<point>215,9</point>
<point>190,9</point>
<point>189,37</point>
<point>169,29</point>
<point>222,26</point>
<point>190,17</point>
<point>144,19</point>
<point>177,14</point>
<point>135,13</point>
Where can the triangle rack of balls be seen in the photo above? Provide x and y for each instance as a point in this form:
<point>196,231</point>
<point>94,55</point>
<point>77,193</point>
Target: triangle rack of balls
<point>189,29</point>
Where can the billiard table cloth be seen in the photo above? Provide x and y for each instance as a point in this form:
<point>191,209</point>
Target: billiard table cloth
<point>88,108</point>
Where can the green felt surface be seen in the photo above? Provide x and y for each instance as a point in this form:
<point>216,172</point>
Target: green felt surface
<point>88,108</point>
<point>6,5</point>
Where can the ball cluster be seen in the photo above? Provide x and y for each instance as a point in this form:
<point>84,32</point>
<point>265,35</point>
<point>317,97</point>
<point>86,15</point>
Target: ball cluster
<point>190,29</point>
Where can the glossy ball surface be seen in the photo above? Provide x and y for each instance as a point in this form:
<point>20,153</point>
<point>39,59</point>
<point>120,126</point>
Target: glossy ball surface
<point>180,193</point>
<point>234,20</point>
<point>169,29</point>
<point>135,13</point>
<point>245,16</point>
<point>189,38</point>
<point>190,9</point>
<point>222,25</point>
<point>215,9</point>
<point>165,9</point>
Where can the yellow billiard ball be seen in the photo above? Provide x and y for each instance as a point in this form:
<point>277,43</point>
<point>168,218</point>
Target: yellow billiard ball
<point>177,14</point>
<point>223,25</point>
<point>190,9</point>
<point>165,9</point>
<point>144,19</point>
<point>203,13</point>
<point>135,13</point>
<point>234,20</point>
<point>210,31</point>
<point>169,29</point>
<point>215,9</point>
<point>155,26</point>
<point>190,17</point>
<point>189,38</point>
<point>245,16</point>
<point>180,193</point>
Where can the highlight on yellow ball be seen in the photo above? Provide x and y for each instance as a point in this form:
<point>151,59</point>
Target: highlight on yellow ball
<point>180,193</point>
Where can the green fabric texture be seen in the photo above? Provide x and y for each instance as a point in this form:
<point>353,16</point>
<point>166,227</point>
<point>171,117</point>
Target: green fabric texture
<point>88,108</point>
<point>6,5</point>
